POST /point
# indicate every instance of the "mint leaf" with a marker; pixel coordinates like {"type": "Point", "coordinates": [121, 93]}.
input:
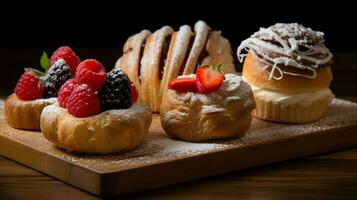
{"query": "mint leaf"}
{"type": "Point", "coordinates": [45, 61]}
{"type": "Point", "coordinates": [36, 71]}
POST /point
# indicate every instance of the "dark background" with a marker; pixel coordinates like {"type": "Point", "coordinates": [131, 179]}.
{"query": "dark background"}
{"type": "Point", "coordinates": [99, 29]}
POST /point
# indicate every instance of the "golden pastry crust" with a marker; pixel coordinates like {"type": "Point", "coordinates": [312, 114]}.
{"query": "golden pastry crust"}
{"type": "Point", "coordinates": [112, 131]}
{"type": "Point", "coordinates": [254, 73]}
{"type": "Point", "coordinates": [197, 117]}
{"type": "Point", "coordinates": [130, 61]}
{"type": "Point", "coordinates": [150, 66]}
{"type": "Point", "coordinates": [25, 114]}
{"type": "Point", "coordinates": [219, 52]}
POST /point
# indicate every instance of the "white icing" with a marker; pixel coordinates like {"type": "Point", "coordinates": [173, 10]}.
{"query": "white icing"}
{"type": "Point", "coordinates": [289, 37]}
{"type": "Point", "coordinates": [285, 99]}
{"type": "Point", "coordinates": [232, 89]}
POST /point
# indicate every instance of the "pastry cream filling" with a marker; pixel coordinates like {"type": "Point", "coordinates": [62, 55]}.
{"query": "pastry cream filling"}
{"type": "Point", "coordinates": [285, 99]}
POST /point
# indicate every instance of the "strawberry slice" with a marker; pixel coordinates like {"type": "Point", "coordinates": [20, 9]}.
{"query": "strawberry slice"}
{"type": "Point", "coordinates": [209, 79]}
{"type": "Point", "coordinates": [134, 93]}
{"type": "Point", "coordinates": [183, 85]}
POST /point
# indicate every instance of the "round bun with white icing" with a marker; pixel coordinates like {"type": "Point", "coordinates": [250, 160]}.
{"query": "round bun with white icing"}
{"type": "Point", "coordinates": [288, 67]}
{"type": "Point", "coordinates": [23, 114]}
{"type": "Point", "coordinates": [111, 131]}
{"type": "Point", "coordinates": [225, 113]}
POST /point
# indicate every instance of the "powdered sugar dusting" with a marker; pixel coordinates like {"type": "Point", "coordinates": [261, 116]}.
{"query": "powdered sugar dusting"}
{"type": "Point", "coordinates": [181, 44]}
{"type": "Point", "coordinates": [233, 88]}
{"type": "Point", "coordinates": [199, 43]}
{"type": "Point", "coordinates": [159, 148]}
{"type": "Point", "coordinates": [232, 91]}
{"type": "Point", "coordinates": [44, 101]}
{"type": "Point", "coordinates": [125, 114]}
{"type": "Point", "coordinates": [151, 55]}
{"type": "Point", "coordinates": [287, 44]}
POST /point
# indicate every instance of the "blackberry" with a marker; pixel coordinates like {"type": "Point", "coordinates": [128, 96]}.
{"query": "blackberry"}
{"type": "Point", "coordinates": [116, 92]}
{"type": "Point", "coordinates": [57, 75]}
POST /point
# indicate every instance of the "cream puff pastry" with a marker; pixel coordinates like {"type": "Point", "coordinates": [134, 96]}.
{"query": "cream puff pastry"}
{"type": "Point", "coordinates": [195, 116]}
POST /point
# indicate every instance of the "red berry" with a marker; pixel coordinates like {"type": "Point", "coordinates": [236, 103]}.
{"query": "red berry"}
{"type": "Point", "coordinates": [67, 54]}
{"type": "Point", "coordinates": [183, 84]}
{"type": "Point", "coordinates": [134, 92]}
{"type": "Point", "coordinates": [29, 86]}
{"type": "Point", "coordinates": [83, 102]}
{"type": "Point", "coordinates": [91, 72]}
{"type": "Point", "coordinates": [66, 91]}
{"type": "Point", "coordinates": [208, 79]}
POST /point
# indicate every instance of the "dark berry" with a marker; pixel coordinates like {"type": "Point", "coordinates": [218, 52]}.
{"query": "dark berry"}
{"type": "Point", "coordinates": [116, 92]}
{"type": "Point", "coordinates": [58, 74]}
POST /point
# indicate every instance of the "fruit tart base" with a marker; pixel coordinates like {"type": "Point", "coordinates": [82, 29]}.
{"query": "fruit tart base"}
{"type": "Point", "coordinates": [111, 131]}
{"type": "Point", "coordinates": [25, 114]}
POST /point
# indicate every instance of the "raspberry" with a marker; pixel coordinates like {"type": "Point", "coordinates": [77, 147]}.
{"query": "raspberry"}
{"type": "Point", "coordinates": [116, 92]}
{"type": "Point", "coordinates": [134, 93]}
{"type": "Point", "coordinates": [58, 74]}
{"type": "Point", "coordinates": [83, 102]}
{"type": "Point", "coordinates": [29, 86]}
{"type": "Point", "coordinates": [91, 72]}
{"type": "Point", "coordinates": [66, 91]}
{"type": "Point", "coordinates": [67, 54]}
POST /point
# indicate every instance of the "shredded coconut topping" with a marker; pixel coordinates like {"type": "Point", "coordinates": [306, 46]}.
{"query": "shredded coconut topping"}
{"type": "Point", "coordinates": [291, 45]}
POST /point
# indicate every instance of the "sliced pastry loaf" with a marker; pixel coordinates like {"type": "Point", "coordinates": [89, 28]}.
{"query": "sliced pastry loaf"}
{"type": "Point", "coordinates": [152, 65]}
{"type": "Point", "coordinates": [133, 50]}
{"type": "Point", "coordinates": [153, 60]}
{"type": "Point", "coordinates": [175, 59]}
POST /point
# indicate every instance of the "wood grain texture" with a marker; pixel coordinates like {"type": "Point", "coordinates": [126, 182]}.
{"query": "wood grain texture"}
{"type": "Point", "coordinates": [164, 161]}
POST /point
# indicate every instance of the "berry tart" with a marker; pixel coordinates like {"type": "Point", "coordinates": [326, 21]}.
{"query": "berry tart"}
{"type": "Point", "coordinates": [153, 60]}
{"type": "Point", "coordinates": [207, 105]}
{"type": "Point", "coordinates": [288, 68]}
{"type": "Point", "coordinates": [96, 112]}
{"type": "Point", "coordinates": [36, 89]}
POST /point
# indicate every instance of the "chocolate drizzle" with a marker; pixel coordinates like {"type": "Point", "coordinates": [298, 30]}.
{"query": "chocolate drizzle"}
{"type": "Point", "coordinates": [284, 46]}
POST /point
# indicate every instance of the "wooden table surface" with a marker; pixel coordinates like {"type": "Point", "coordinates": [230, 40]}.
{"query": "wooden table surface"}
{"type": "Point", "coordinates": [330, 176]}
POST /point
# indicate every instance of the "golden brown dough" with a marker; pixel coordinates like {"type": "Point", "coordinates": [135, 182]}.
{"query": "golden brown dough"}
{"type": "Point", "coordinates": [25, 114]}
{"type": "Point", "coordinates": [112, 131]}
{"type": "Point", "coordinates": [225, 113]}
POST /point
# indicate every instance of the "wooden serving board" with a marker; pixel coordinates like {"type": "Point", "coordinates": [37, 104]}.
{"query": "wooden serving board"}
{"type": "Point", "coordinates": [162, 160]}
